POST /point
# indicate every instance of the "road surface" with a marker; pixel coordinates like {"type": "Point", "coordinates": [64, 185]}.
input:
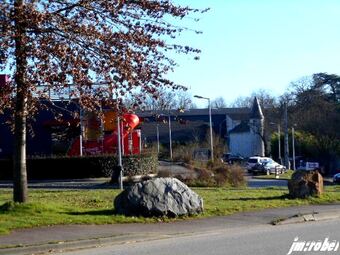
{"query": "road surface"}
{"type": "Point", "coordinates": [254, 240]}
{"type": "Point", "coordinates": [262, 183]}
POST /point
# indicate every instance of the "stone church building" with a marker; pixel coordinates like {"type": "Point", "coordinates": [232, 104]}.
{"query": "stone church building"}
{"type": "Point", "coordinates": [246, 138]}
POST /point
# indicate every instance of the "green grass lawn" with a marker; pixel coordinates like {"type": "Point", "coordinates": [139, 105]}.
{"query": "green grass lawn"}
{"type": "Point", "coordinates": [51, 207]}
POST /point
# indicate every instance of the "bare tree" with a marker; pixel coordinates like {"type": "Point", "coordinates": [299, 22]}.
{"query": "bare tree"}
{"type": "Point", "coordinates": [242, 102]}
{"type": "Point", "coordinates": [218, 102]}
{"type": "Point", "coordinates": [167, 99]}
{"type": "Point", "coordinates": [105, 49]}
{"type": "Point", "coordinates": [265, 98]}
{"type": "Point", "coordinates": [185, 101]}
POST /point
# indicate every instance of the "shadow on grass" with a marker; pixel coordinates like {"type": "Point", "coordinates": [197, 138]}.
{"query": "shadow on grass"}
{"type": "Point", "coordinates": [328, 183]}
{"type": "Point", "coordinates": [6, 207]}
{"type": "Point", "coordinates": [107, 212]}
{"type": "Point", "coordinates": [282, 197]}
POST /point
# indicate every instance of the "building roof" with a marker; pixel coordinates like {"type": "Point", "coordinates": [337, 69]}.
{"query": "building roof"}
{"type": "Point", "coordinates": [256, 112]}
{"type": "Point", "coordinates": [190, 131]}
{"type": "Point", "coordinates": [243, 127]}
{"type": "Point", "coordinates": [233, 113]}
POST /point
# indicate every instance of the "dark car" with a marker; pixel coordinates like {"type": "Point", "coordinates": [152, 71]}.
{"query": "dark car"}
{"type": "Point", "coordinates": [336, 178]}
{"type": "Point", "coordinates": [232, 159]}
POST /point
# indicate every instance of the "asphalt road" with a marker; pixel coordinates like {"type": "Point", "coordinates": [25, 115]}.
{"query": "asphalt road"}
{"type": "Point", "coordinates": [260, 183]}
{"type": "Point", "coordinates": [255, 240]}
{"type": "Point", "coordinates": [103, 184]}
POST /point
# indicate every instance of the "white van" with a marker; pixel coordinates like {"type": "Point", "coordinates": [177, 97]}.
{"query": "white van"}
{"type": "Point", "coordinates": [264, 165]}
{"type": "Point", "coordinates": [253, 161]}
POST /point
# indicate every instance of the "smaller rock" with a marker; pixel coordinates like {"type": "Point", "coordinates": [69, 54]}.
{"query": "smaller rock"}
{"type": "Point", "coordinates": [304, 184]}
{"type": "Point", "coordinates": [158, 197]}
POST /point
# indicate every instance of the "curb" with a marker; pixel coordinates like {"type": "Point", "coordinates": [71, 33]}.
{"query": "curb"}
{"type": "Point", "coordinates": [61, 246]}
{"type": "Point", "coordinates": [314, 216]}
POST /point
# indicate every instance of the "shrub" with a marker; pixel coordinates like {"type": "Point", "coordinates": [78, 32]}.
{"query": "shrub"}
{"type": "Point", "coordinates": [236, 176]}
{"type": "Point", "coordinates": [82, 167]}
{"type": "Point", "coordinates": [221, 176]}
{"type": "Point", "coordinates": [184, 153]}
{"type": "Point", "coordinates": [140, 164]}
{"type": "Point", "coordinates": [214, 164]}
{"type": "Point", "coordinates": [200, 177]}
{"type": "Point", "coordinates": [164, 174]}
{"type": "Point", "coordinates": [210, 164]}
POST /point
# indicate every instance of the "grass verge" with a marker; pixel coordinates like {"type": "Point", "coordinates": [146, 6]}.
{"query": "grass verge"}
{"type": "Point", "coordinates": [52, 207]}
{"type": "Point", "coordinates": [286, 176]}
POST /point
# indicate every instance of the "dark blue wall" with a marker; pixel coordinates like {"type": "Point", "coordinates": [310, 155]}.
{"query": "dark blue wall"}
{"type": "Point", "coordinates": [39, 140]}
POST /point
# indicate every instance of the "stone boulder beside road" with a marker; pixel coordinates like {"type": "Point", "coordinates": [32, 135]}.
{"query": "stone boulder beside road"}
{"type": "Point", "coordinates": [159, 197]}
{"type": "Point", "coordinates": [304, 184]}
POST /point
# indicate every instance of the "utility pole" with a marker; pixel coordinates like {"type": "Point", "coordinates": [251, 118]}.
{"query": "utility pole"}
{"type": "Point", "coordinates": [293, 148]}
{"type": "Point", "coordinates": [286, 144]}
{"type": "Point", "coordinates": [279, 142]}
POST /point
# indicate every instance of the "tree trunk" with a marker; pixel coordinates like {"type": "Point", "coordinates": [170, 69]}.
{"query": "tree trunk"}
{"type": "Point", "coordinates": [19, 165]}
{"type": "Point", "coordinates": [19, 171]}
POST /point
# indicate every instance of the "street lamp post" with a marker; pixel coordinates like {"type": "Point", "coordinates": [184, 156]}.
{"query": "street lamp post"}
{"type": "Point", "coordinates": [170, 138]}
{"type": "Point", "coordinates": [210, 124]}
{"type": "Point", "coordinates": [279, 142]}
{"type": "Point", "coordinates": [157, 130]}
{"type": "Point", "coordinates": [286, 147]}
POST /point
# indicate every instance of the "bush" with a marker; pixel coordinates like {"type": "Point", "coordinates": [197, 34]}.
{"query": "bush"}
{"type": "Point", "coordinates": [236, 176]}
{"type": "Point", "coordinates": [164, 174]}
{"type": "Point", "coordinates": [140, 165]}
{"type": "Point", "coordinates": [204, 178]}
{"type": "Point", "coordinates": [184, 153]}
{"type": "Point", "coordinates": [82, 167]}
{"type": "Point", "coordinates": [221, 176]}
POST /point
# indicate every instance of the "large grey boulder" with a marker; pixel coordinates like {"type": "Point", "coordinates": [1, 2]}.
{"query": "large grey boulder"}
{"type": "Point", "coordinates": [159, 197]}
{"type": "Point", "coordinates": [305, 183]}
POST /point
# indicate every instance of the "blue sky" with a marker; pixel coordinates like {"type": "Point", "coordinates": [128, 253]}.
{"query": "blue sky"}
{"type": "Point", "coordinates": [249, 45]}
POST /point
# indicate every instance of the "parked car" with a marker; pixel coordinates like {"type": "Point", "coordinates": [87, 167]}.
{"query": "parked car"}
{"type": "Point", "coordinates": [264, 165]}
{"type": "Point", "coordinates": [254, 162]}
{"type": "Point", "coordinates": [336, 178]}
{"type": "Point", "coordinates": [232, 159]}
{"type": "Point", "coordinates": [272, 167]}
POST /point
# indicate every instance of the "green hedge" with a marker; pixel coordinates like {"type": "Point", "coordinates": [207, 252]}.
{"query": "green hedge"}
{"type": "Point", "coordinates": [82, 167]}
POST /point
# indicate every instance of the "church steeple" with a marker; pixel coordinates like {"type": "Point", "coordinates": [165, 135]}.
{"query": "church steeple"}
{"type": "Point", "coordinates": [256, 122]}
{"type": "Point", "coordinates": [256, 112]}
